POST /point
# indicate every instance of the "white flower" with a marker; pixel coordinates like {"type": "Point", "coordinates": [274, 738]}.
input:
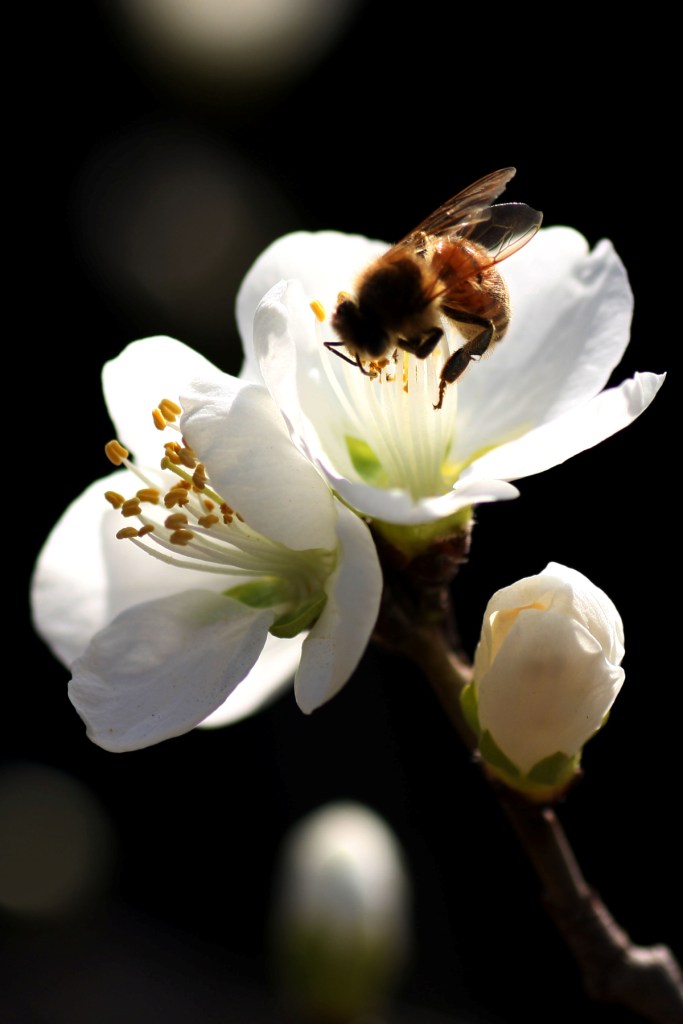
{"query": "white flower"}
{"type": "Point", "coordinates": [233, 600]}
{"type": "Point", "coordinates": [546, 672]}
{"type": "Point", "coordinates": [533, 403]}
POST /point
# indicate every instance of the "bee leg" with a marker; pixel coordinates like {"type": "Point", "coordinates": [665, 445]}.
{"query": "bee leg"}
{"type": "Point", "coordinates": [333, 347]}
{"type": "Point", "coordinates": [472, 350]}
{"type": "Point", "coordinates": [422, 346]}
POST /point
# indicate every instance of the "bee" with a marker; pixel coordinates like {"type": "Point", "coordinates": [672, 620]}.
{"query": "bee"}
{"type": "Point", "coordinates": [445, 267]}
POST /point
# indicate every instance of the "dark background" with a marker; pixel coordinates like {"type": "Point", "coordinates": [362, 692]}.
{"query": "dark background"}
{"type": "Point", "coordinates": [142, 198]}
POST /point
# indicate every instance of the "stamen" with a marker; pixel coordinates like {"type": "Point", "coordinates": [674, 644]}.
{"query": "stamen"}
{"type": "Point", "coordinates": [159, 420]}
{"type": "Point", "coordinates": [199, 477]}
{"type": "Point", "coordinates": [318, 310]}
{"type": "Point", "coordinates": [169, 410]}
{"type": "Point", "coordinates": [114, 498]}
{"type": "Point", "coordinates": [144, 530]}
{"type": "Point", "coordinates": [127, 533]}
{"type": "Point", "coordinates": [181, 537]}
{"type": "Point", "coordinates": [150, 494]}
{"type": "Point", "coordinates": [177, 495]}
{"type": "Point", "coordinates": [115, 452]}
{"type": "Point", "coordinates": [131, 507]}
{"type": "Point", "coordinates": [175, 521]}
{"type": "Point", "coordinates": [208, 521]}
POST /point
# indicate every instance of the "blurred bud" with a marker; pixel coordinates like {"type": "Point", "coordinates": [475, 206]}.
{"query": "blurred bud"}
{"type": "Point", "coordinates": [546, 673]}
{"type": "Point", "coordinates": [341, 930]}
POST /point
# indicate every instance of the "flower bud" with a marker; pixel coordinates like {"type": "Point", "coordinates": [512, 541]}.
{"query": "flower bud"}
{"type": "Point", "coordinates": [340, 932]}
{"type": "Point", "coordinates": [546, 673]}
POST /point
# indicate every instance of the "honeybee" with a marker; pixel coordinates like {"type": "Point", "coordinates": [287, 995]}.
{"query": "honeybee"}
{"type": "Point", "coordinates": [445, 267]}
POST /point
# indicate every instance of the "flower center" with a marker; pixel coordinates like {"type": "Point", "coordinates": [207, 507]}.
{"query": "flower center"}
{"type": "Point", "coordinates": [181, 520]}
{"type": "Point", "coordinates": [393, 434]}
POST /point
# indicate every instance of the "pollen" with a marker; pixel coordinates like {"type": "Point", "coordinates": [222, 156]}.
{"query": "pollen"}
{"type": "Point", "coordinates": [199, 477]}
{"type": "Point", "coordinates": [318, 310]}
{"type": "Point", "coordinates": [176, 496]}
{"type": "Point", "coordinates": [115, 452]}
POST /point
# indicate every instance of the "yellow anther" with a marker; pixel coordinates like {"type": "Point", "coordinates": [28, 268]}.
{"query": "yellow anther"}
{"type": "Point", "coordinates": [127, 532]}
{"type": "Point", "coordinates": [159, 421]}
{"type": "Point", "coordinates": [131, 507]}
{"type": "Point", "coordinates": [226, 510]}
{"type": "Point", "coordinates": [318, 310]}
{"type": "Point", "coordinates": [114, 498]}
{"type": "Point", "coordinates": [175, 521]}
{"type": "Point", "coordinates": [187, 457]}
{"type": "Point", "coordinates": [150, 494]}
{"type": "Point", "coordinates": [144, 530]}
{"type": "Point", "coordinates": [181, 537]}
{"type": "Point", "coordinates": [199, 477]}
{"type": "Point", "coordinates": [171, 458]}
{"type": "Point", "coordinates": [176, 496]}
{"type": "Point", "coordinates": [208, 504]}
{"type": "Point", "coordinates": [343, 297]}
{"type": "Point", "coordinates": [208, 520]}
{"type": "Point", "coordinates": [115, 452]}
{"type": "Point", "coordinates": [169, 409]}
{"type": "Point", "coordinates": [241, 518]}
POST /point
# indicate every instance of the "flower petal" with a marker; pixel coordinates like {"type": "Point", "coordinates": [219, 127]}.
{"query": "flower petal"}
{"type": "Point", "coordinates": [570, 321]}
{"type": "Point", "coordinates": [139, 378]}
{"type": "Point", "coordinates": [336, 643]}
{"type": "Point", "coordinates": [582, 428]}
{"type": "Point", "coordinates": [256, 468]}
{"type": "Point", "coordinates": [272, 674]}
{"type": "Point", "coordinates": [161, 667]}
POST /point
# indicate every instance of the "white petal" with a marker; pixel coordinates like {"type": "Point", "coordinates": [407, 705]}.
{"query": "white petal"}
{"type": "Point", "coordinates": [338, 640]}
{"type": "Point", "coordinates": [160, 668]}
{"type": "Point", "coordinates": [255, 467]}
{"type": "Point", "coordinates": [272, 674]}
{"type": "Point", "coordinates": [582, 428]}
{"type": "Point", "coordinates": [84, 576]}
{"type": "Point", "coordinates": [570, 321]}
{"type": "Point", "coordinates": [325, 263]}
{"type": "Point", "coordinates": [136, 381]}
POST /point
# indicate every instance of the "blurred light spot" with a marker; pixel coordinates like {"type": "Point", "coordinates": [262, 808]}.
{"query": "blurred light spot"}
{"type": "Point", "coordinates": [55, 842]}
{"type": "Point", "coordinates": [235, 42]}
{"type": "Point", "coordinates": [341, 929]}
{"type": "Point", "coordinates": [168, 222]}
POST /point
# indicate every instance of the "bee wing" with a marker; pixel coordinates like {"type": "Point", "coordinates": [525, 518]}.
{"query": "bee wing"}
{"type": "Point", "coordinates": [461, 214]}
{"type": "Point", "coordinates": [506, 229]}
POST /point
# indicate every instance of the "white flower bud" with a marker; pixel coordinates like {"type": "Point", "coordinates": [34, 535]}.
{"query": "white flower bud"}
{"type": "Point", "coordinates": [341, 917]}
{"type": "Point", "coordinates": [546, 673]}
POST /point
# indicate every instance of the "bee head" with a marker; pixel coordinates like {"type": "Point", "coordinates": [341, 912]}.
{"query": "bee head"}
{"type": "Point", "coordinates": [362, 334]}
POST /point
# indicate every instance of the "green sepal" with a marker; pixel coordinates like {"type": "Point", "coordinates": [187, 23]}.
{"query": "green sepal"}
{"type": "Point", "coordinates": [261, 593]}
{"type": "Point", "coordinates": [495, 757]}
{"type": "Point", "coordinates": [555, 770]}
{"type": "Point", "coordinates": [468, 703]}
{"type": "Point", "coordinates": [303, 617]}
{"type": "Point", "coordinates": [365, 462]}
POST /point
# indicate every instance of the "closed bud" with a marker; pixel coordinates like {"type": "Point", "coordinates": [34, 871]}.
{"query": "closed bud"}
{"type": "Point", "coordinates": [546, 673]}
